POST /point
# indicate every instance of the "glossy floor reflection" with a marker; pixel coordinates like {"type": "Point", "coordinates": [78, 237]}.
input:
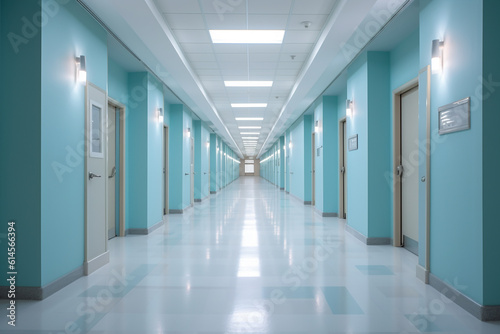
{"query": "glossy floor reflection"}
{"type": "Point", "coordinates": [250, 259]}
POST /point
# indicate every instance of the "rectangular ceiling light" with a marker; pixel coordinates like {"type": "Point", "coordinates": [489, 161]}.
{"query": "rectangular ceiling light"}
{"type": "Point", "coordinates": [249, 133]}
{"type": "Point", "coordinates": [249, 137]}
{"type": "Point", "coordinates": [249, 105]}
{"type": "Point", "coordinates": [248, 83]}
{"type": "Point", "coordinates": [249, 127]}
{"type": "Point", "coordinates": [247, 36]}
{"type": "Point", "coordinates": [249, 118]}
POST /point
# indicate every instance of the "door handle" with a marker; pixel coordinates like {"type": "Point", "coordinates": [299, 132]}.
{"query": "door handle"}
{"type": "Point", "coordinates": [205, 173]}
{"type": "Point", "coordinates": [342, 170]}
{"type": "Point", "coordinates": [92, 175]}
{"type": "Point", "coordinates": [291, 172]}
{"type": "Point", "coordinates": [400, 170]}
{"type": "Point", "coordinates": [113, 173]}
{"type": "Point", "coordinates": [186, 173]}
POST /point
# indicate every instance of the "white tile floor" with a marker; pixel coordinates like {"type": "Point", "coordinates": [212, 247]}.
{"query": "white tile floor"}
{"type": "Point", "coordinates": [250, 259]}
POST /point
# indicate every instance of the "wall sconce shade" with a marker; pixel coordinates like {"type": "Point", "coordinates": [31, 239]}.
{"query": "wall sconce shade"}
{"type": "Point", "coordinates": [159, 112]}
{"type": "Point", "coordinates": [348, 107]}
{"type": "Point", "coordinates": [188, 132]}
{"type": "Point", "coordinates": [82, 69]}
{"type": "Point", "coordinates": [437, 56]}
{"type": "Point", "coordinates": [290, 145]}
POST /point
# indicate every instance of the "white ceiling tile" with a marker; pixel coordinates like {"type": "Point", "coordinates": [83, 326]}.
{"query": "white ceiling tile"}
{"type": "Point", "coordinates": [230, 48]}
{"type": "Point", "coordinates": [192, 36]}
{"type": "Point", "coordinates": [229, 22]}
{"type": "Point", "coordinates": [185, 21]}
{"type": "Point", "coordinates": [176, 6]}
{"type": "Point", "coordinates": [289, 65]}
{"type": "Point", "coordinates": [301, 36]}
{"type": "Point", "coordinates": [223, 7]}
{"type": "Point", "coordinates": [313, 6]}
{"type": "Point", "coordinates": [267, 57]}
{"type": "Point", "coordinates": [269, 7]}
{"type": "Point", "coordinates": [271, 22]}
{"type": "Point", "coordinates": [264, 48]}
{"type": "Point", "coordinates": [263, 65]}
{"type": "Point", "coordinates": [211, 73]}
{"type": "Point", "coordinates": [287, 72]}
{"type": "Point", "coordinates": [232, 57]}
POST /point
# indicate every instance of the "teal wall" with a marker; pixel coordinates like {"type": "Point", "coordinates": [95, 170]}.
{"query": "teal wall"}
{"type": "Point", "coordinates": [213, 163]}
{"type": "Point", "coordinates": [20, 131]}
{"type": "Point", "coordinates": [281, 144]}
{"type": "Point", "coordinates": [137, 150]}
{"type": "Point", "coordinates": [202, 156]}
{"type": "Point", "coordinates": [456, 192]}
{"type": "Point", "coordinates": [154, 150]}
{"type": "Point", "coordinates": [326, 164]}
{"type": "Point", "coordinates": [491, 160]}
{"type": "Point", "coordinates": [70, 33]}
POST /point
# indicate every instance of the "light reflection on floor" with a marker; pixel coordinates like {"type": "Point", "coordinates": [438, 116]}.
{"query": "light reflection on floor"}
{"type": "Point", "coordinates": [250, 259]}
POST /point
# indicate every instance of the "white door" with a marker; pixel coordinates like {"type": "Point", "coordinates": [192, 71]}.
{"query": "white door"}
{"type": "Point", "coordinates": [111, 179]}
{"type": "Point", "coordinates": [409, 171]}
{"type": "Point", "coordinates": [165, 170]}
{"type": "Point", "coordinates": [344, 170]}
{"type": "Point", "coordinates": [313, 170]}
{"type": "Point", "coordinates": [96, 254]}
{"type": "Point", "coordinates": [192, 171]}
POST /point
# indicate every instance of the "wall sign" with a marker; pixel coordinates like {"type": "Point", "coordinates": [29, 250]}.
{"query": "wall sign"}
{"type": "Point", "coordinates": [454, 116]}
{"type": "Point", "coordinates": [352, 143]}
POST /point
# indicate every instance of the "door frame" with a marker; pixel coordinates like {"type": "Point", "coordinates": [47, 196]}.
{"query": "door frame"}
{"type": "Point", "coordinates": [165, 164]}
{"type": "Point", "coordinates": [313, 169]}
{"type": "Point", "coordinates": [120, 108]}
{"type": "Point", "coordinates": [343, 120]}
{"type": "Point", "coordinates": [396, 161]}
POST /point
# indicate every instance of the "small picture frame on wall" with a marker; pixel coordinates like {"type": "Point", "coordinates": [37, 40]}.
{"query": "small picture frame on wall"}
{"type": "Point", "coordinates": [352, 143]}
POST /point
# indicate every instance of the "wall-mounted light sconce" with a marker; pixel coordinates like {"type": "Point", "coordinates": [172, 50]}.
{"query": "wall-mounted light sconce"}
{"type": "Point", "coordinates": [188, 132]}
{"type": "Point", "coordinates": [82, 69]}
{"type": "Point", "coordinates": [159, 113]}
{"type": "Point", "coordinates": [284, 147]}
{"type": "Point", "coordinates": [208, 143]}
{"type": "Point", "coordinates": [317, 126]}
{"type": "Point", "coordinates": [290, 144]}
{"type": "Point", "coordinates": [348, 107]}
{"type": "Point", "coordinates": [437, 56]}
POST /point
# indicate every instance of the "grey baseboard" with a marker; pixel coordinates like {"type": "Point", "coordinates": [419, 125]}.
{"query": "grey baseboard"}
{"type": "Point", "coordinates": [287, 192]}
{"type": "Point", "coordinates": [39, 293]}
{"type": "Point", "coordinates": [145, 231]}
{"type": "Point", "coordinates": [198, 200]}
{"type": "Point", "coordinates": [98, 262]}
{"type": "Point", "coordinates": [281, 188]}
{"type": "Point", "coordinates": [175, 211]}
{"type": "Point", "coordinates": [213, 192]}
{"type": "Point", "coordinates": [410, 244]}
{"type": "Point", "coordinates": [368, 240]}
{"type": "Point", "coordinates": [307, 202]}
{"type": "Point", "coordinates": [325, 214]}
{"type": "Point", "coordinates": [482, 312]}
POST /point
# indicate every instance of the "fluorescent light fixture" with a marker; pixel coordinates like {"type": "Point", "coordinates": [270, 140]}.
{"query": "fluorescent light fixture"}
{"type": "Point", "coordinates": [437, 56]}
{"type": "Point", "coordinates": [249, 133]}
{"type": "Point", "coordinates": [247, 36]}
{"type": "Point", "coordinates": [248, 83]}
{"type": "Point", "coordinates": [249, 105]}
{"type": "Point", "coordinates": [249, 127]}
{"type": "Point", "coordinates": [82, 69]}
{"type": "Point", "coordinates": [249, 118]}
{"type": "Point", "coordinates": [249, 137]}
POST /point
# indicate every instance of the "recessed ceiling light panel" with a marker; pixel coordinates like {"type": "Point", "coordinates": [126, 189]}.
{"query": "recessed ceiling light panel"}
{"type": "Point", "coordinates": [248, 83]}
{"type": "Point", "coordinates": [249, 105]}
{"type": "Point", "coordinates": [249, 118]}
{"type": "Point", "coordinates": [247, 36]}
